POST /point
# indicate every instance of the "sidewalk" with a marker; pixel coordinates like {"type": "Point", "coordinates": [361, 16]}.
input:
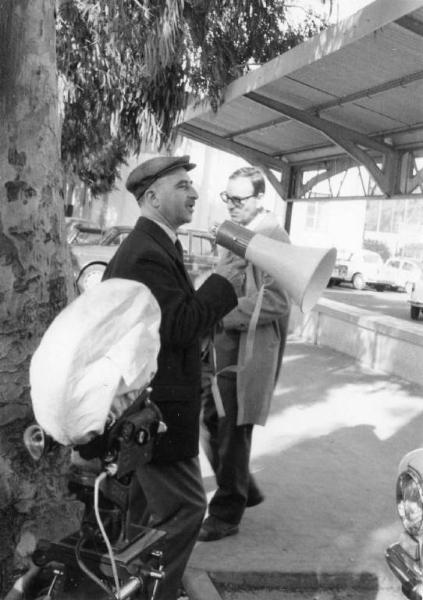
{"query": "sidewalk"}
{"type": "Point", "coordinates": [327, 462]}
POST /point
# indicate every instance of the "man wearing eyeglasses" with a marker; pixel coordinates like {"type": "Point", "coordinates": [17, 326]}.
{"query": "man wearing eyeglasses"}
{"type": "Point", "coordinates": [256, 329]}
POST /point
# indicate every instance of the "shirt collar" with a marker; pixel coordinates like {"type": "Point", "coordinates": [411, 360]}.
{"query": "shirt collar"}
{"type": "Point", "coordinates": [255, 223]}
{"type": "Point", "coordinates": [166, 229]}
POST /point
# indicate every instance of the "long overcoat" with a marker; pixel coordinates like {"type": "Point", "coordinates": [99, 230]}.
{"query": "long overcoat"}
{"type": "Point", "coordinates": [149, 256]}
{"type": "Point", "coordinates": [258, 366]}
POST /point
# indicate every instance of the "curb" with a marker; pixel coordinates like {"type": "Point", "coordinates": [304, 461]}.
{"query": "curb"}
{"type": "Point", "coordinates": [298, 581]}
{"type": "Point", "coordinates": [199, 583]}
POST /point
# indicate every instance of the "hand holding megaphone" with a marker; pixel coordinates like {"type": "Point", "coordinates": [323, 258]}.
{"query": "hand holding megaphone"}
{"type": "Point", "coordinates": [232, 267]}
{"type": "Point", "coordinates": [213, 229]}
{"type": "Point", "coordinates": [301, 272]}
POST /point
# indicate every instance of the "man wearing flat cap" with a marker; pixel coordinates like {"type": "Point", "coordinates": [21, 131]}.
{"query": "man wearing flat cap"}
{"type": "Point", "coordinates": [152, 255]}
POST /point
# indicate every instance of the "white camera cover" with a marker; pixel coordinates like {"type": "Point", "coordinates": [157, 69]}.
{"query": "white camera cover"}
{"type": "Point", "coordinates": [96, 355]}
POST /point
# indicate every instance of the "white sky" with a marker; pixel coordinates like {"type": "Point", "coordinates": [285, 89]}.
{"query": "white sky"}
{"type": "Point", "coordinates": [344, 8]}
{"type": "Point", "coordinates": [341, 8]}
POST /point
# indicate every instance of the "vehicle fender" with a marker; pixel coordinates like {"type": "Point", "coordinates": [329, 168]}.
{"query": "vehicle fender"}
{"type": "Point", "coordinates": [93, 262]}
{"type": "Point", "coordinates": [87, 266]}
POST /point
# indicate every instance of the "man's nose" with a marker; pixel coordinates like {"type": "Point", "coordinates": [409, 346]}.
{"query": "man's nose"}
{"type": "Point", "coordinates": [193, 193]}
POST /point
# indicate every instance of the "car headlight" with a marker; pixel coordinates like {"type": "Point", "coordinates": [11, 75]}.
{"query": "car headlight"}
{"type": "Point", "coordinates": [409, 492]}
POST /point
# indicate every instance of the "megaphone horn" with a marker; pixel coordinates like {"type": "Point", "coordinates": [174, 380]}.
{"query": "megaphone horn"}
{"type": "Point", "coordinates": [300, 271]}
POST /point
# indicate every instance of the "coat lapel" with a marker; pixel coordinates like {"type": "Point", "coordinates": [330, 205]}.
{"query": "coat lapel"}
{"type": "Point", "coordinates": [149, 227]}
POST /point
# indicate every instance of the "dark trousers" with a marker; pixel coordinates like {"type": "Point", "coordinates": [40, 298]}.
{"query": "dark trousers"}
{"type": "Point", "coordinates": [227, 447]}
{"type": "Point", "coordinates": [176, 504]}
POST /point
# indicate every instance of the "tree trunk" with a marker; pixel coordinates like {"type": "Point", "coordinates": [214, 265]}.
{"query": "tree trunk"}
{"type": "Point", "coordinates": [35, 280]}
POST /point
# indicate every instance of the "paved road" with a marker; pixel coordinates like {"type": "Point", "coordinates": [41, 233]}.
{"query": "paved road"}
{"type": "Point", "coordinates": [393, 304]}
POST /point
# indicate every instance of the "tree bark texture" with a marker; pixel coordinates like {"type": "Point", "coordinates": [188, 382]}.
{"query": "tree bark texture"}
{"type": "Point", "coordinates": [34, 269]}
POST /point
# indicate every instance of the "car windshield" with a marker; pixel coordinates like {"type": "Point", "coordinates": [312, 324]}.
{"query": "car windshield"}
{"type": "Point", "coordinates": [83, 236]}
{"type": "Point", "coordinates": [344, 254]}
{"type": "Point", "coordinates": [114, 236]}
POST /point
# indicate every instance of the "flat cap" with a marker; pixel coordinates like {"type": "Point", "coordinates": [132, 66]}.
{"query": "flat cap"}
{"type": "Point", "coordinates": [148, 172]}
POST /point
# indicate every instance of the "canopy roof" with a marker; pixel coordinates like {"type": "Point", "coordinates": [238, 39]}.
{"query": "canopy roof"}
{"type": "Point", "coordinates": [354, 91]}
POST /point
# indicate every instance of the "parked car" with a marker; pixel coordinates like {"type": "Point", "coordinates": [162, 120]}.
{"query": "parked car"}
{"type": "Point", "coordinates": [90, 255]}
{"type": "Point", "coordinates": [90, 260]}
{"type": "Point", "coordinates": [78, 230]}
{"type": "Point", "coordinates": [358, 267]}
{"type": "Point", "coordinates": [416, 299]}
{"type": "Point", "coordinates": [402, 273]}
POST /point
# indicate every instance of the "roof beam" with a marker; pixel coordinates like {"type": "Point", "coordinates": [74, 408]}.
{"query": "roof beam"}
{"type": "Point", "coordinates": [364, 93]}
{"type": "Point", "coordinates": [277, 185]}
{"type": "Point", "coordinates": [333, 168]}
{"type": "Point", "coordinates": [254, 128]}
{"type": "Point", "coordinates": [211, 139]}
{"type": "Point", "coordinates": [351, 141]}
{"type": "Point", "coordinates": [371, 91]}
{"type": "Point", "coordinates": [330, 129]}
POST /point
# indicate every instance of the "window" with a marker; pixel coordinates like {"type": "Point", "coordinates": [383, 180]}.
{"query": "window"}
{"type": "Point", "coordinates": [313, 215]}
{"type": "Point", "coordinates": [408, 266]}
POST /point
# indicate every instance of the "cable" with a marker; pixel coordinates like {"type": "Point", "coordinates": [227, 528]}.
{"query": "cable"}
{"type": "Point", "coordinates": [97, 483]}
{"type": "Point", "coordinates": [90, 574]}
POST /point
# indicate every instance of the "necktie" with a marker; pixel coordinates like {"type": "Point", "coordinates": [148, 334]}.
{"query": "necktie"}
{"type": "Point", "coordinates": [179, 249]}
{"type": "Point", "coordinates": [180, 252]}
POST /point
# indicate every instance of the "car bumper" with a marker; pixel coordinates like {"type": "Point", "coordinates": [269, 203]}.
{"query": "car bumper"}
{"type": "Point", "coordinates": [415, 303]}
{"type": "Point", "coordinates": [404, 563]}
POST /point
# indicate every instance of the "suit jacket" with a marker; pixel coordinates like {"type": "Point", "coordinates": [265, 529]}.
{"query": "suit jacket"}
{"type": "Point", "coordinates": [149, 256]}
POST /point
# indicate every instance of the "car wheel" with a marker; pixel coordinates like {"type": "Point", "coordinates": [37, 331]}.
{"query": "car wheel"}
{"type": "Point", "coordinates": [414, 312]}
{"type": "Point", "coordinates": [358, 281]}
{"type": "Point", "coordinates": [89, 276]}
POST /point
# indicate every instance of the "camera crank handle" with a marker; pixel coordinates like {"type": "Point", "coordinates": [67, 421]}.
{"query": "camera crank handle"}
{"type": "Point", "coordinates": [148, 392]}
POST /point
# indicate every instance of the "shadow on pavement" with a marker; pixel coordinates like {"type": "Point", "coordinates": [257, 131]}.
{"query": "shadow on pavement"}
{"type": "Point", "coordinates": [327, 462]}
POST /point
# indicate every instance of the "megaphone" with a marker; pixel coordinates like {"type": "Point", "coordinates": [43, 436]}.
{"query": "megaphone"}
{"type": "Point", "coordinates": [301, 272]}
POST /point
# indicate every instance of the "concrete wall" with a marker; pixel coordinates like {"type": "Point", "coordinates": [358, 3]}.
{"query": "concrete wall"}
{"type": "Point", "coordinates": [380, 342]}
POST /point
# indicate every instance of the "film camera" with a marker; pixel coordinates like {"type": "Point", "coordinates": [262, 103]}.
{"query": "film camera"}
{"type": "Point", "coordinates": [110, 556]}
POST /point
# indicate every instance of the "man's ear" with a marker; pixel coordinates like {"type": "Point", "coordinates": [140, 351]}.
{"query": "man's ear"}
{"type": "Point", "coordinates": [151, 198]}
{"type": "Point", "coordinates": [260, 199]}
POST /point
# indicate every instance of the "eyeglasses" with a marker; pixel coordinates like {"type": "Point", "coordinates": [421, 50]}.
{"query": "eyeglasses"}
{"type": "Point", "coordinates": [237, 202]}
